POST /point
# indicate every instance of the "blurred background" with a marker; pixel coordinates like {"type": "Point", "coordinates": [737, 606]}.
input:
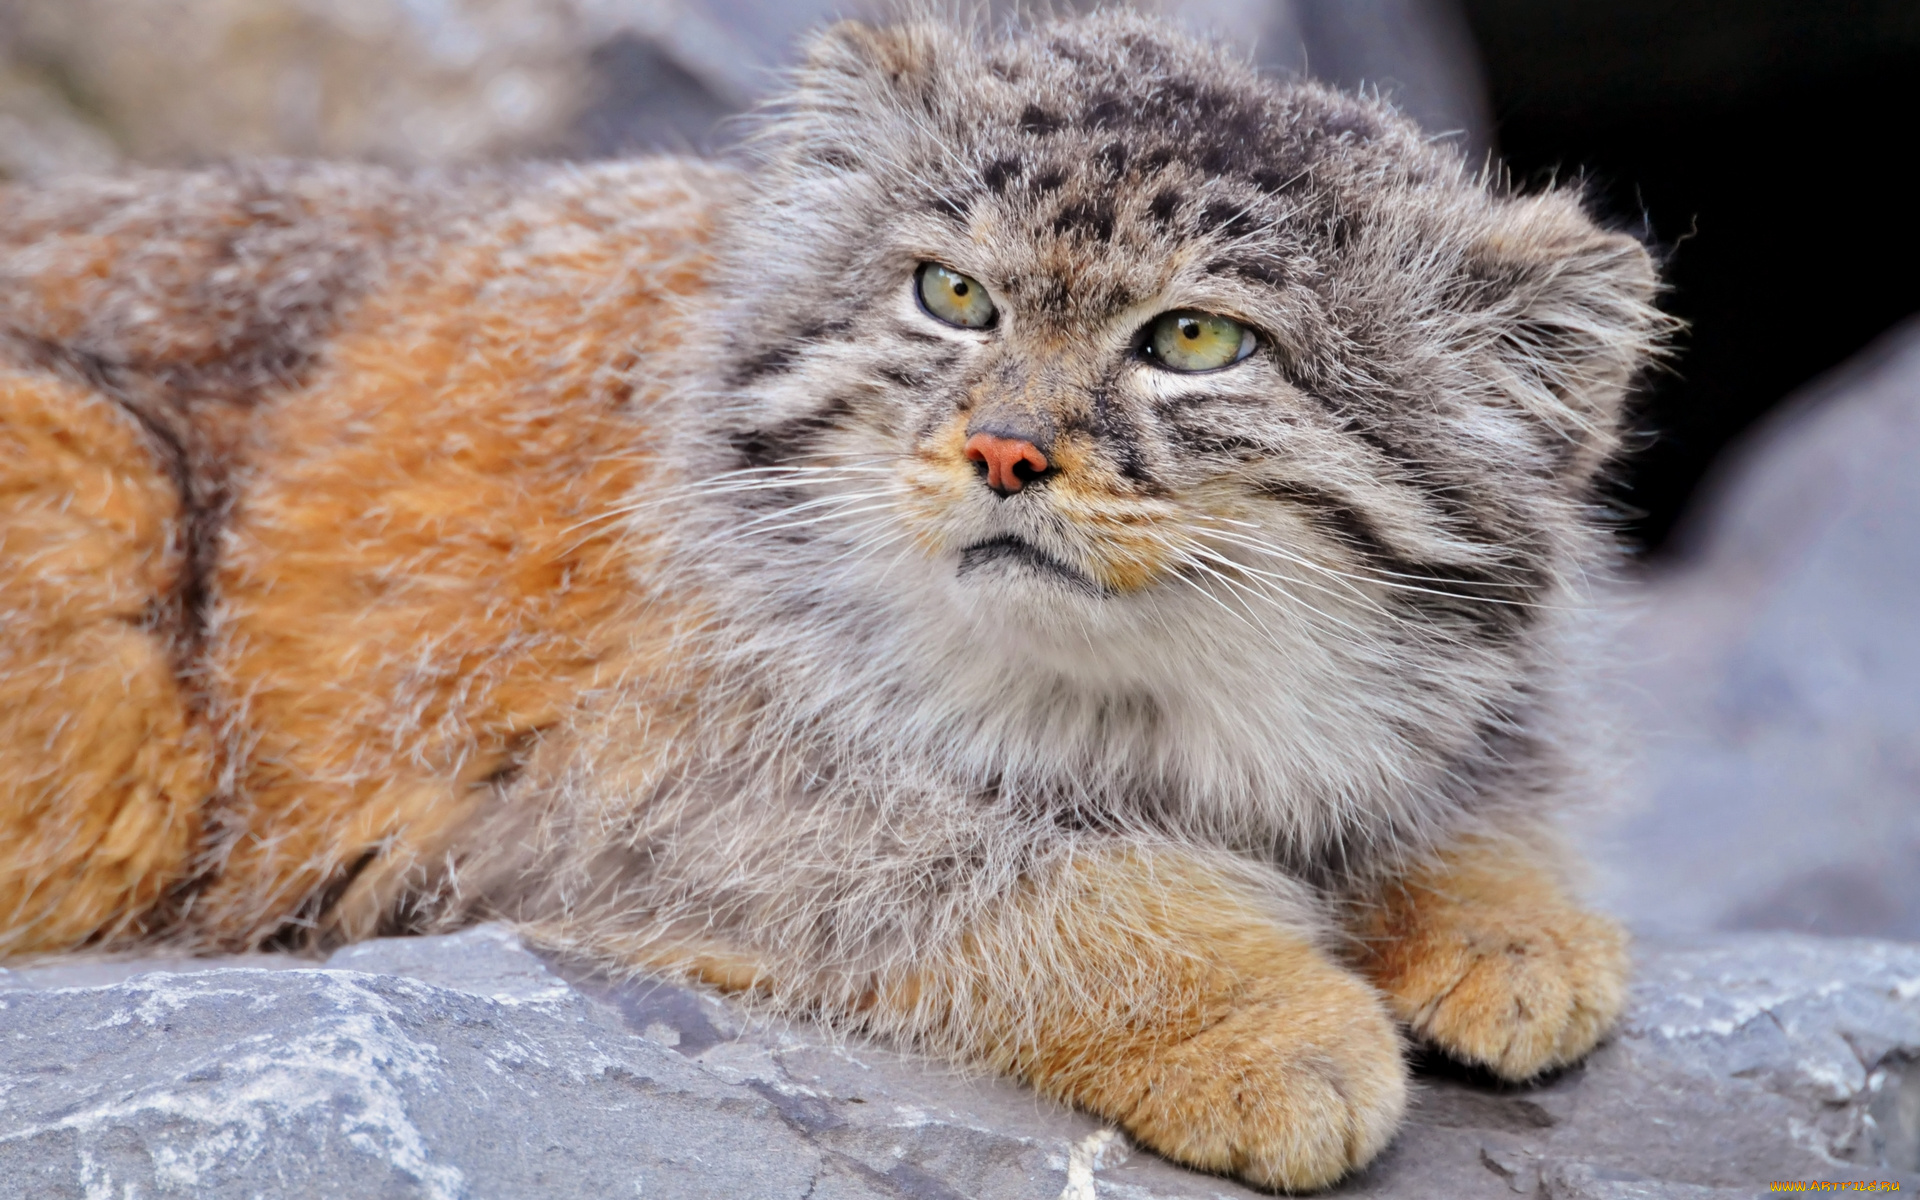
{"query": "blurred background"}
{"type": "Point", "coordinates": [1771, 647]}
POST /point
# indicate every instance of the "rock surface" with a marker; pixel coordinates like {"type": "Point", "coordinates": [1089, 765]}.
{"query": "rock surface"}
{"type": "Point", "coordinates": [466, 1066]}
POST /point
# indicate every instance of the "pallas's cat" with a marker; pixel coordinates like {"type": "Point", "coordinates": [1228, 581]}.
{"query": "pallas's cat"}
{"type": "Point", "coordinates": [1069, 558]}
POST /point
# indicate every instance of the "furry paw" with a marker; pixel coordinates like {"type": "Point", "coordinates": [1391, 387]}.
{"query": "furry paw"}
{"type": "Point", "coordinates": [1291, 1090]}
{"type": "Point", "coordinates": [1516, 988]}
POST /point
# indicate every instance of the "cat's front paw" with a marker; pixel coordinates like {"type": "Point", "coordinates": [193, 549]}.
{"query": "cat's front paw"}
{"type": "Point", "coordinates": [1518, 989]}
{"type": "Point", "coordinates": [1294, 1090]}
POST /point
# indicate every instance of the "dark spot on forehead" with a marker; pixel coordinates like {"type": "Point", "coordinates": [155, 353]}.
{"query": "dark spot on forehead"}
{"type": "Point", "coordinates": [1038, 121]}
{"type": "Point", "coordinates": [1235, 142]}
{"type": "Point", "coordinates": [998, 172]}
{"type": "Point", "coordinates": [1049, 180]}
{"type": "Point", "coordinates": [1219, 158]}
{"type": "Point", "coordinates": [1196, 98]}
{"type": "Point", "coordinates": [1155, 160]}
{"type": "Point", "coordinates": [1228, 217]}
{"type": "Point", "coordinates": [1112, 158]}
{"type": "Point", "coordinates": [1270, 181]}
{"type": "Point", "coordinates": [1090, 219]}
{"type": "Point", "coordinates": [1104, 111]}
{"type": "Point", "coordinates": [1245, 123]}
{"type": "Point", "coordinates": [1165, 203]}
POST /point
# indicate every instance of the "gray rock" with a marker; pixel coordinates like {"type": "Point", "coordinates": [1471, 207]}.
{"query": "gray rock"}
{"type": "Point", "coordinates": [1776, 677]}
{"type": "Point", "coordinates": [466, 1066]}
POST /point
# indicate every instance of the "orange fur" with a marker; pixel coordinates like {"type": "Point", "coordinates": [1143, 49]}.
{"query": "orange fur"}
{"type": "Point", "coordinates": [420, 580]}
{"type": "Point", "coordinates": [104, 771]}
{"type": "Point", "coordinates": [416, 576]}
{"type": "Point", "coordinates": [1483, 955]}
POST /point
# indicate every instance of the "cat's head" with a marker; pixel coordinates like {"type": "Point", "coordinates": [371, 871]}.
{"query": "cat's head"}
{"type": "Point", "coordinates": [1091, 332]}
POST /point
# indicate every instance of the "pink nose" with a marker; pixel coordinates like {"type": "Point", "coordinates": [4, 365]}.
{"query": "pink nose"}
{"type": "Point", "coordinates": [1010, 462]}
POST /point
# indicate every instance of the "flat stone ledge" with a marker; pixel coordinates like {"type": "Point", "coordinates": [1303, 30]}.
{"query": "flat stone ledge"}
{"type": "Point", "coordinates": [467, 1066]}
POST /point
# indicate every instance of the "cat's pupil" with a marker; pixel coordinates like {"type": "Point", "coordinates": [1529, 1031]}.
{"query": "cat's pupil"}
{"type": "Point", "coordinates": [1190, 329]}
{"type": "Point", "coordinates": [960, 287]}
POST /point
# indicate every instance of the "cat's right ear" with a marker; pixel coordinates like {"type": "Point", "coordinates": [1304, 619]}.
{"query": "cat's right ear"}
{"type": "Point", "coordinates": [850, 61]}
{"type": "Point", "coordinates": [1570, 310]}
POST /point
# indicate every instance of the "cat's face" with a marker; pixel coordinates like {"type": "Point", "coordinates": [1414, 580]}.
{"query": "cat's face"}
{"type": "Point", "coordinates": [1096, 327]}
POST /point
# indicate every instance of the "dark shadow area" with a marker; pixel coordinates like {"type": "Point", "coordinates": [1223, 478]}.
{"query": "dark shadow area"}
{"type": "Point", "coordinates": [1762, 143]}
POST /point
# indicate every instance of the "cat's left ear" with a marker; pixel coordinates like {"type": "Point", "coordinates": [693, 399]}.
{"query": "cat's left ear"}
{"type": "Point", "coordinates": [1571, 317]}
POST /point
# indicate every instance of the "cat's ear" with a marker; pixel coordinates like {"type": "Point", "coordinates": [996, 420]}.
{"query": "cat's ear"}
{"type": "Point", "coordinates": [1572, 318]}
{"type": "Point", "coordinates": [850, 59]}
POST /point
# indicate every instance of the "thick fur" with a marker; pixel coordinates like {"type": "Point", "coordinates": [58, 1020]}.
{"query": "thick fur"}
{"type": "Point", "coordinates": [596, 548]}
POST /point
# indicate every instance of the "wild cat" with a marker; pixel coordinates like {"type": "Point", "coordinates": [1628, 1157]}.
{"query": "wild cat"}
{"type": "Point", "coordinates": [1069, 558]}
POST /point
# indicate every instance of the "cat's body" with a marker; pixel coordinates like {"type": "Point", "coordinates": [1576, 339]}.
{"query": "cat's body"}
{"type": "Point", "coordinates": [611, 550]}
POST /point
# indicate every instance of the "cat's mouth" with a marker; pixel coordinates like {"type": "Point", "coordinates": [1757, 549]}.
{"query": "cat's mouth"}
{"type": "Point", "coordinates": [1008, 552]}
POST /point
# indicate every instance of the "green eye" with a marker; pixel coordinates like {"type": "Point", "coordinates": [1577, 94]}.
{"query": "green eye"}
{"type": "Point", "coordinates": [1195, 341]}
{"type": "Point", "coordinates": [955, 298]}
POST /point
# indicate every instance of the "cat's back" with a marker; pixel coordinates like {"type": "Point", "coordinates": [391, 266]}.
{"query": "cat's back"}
{"type": "Point", "coordinates": [231, 282]}
{"type": "Point", "coordinates": [302, 479]}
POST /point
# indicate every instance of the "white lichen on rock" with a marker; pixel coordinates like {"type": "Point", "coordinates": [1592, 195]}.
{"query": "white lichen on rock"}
{"type": "Point", "coordinates": [468, 1066]}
